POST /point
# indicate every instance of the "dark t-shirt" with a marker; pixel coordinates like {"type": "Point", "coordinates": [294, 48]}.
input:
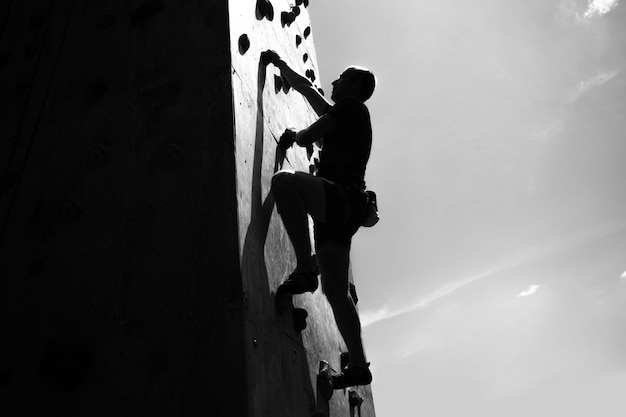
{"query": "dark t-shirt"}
{"type": "Point", "coordinates": [346, 150]}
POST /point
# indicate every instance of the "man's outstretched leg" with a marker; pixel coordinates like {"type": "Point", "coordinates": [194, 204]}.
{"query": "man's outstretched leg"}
{"type": "Point", "coordinates": [298, 194]}
{"type": "Point", "coordinates": [334, 262]}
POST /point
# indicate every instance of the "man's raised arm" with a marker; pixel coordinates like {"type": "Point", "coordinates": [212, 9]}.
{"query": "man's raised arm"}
{"type": "Point", "coordinates": [298, 82]}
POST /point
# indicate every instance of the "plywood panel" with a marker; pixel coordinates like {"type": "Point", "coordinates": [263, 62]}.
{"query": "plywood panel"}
{"type": "Point", "coordinates": [282, 363]}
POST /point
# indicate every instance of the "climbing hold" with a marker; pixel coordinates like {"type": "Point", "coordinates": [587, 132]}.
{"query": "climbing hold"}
{"type": "Point", "coordinates": [69, 212]}
{"type": "Point", "coordinates": [307, 32]}
{"type": "Point", "coordinates": [296, 10]}
{"type": "Point", "coordinates": [310, 74]}
{"type": "Point", "coordinates": [106, 21]}
{"type": "Point", "coordinates": [278, 84]}
{"type": "Point", "coordinates": [171, 157]}
{"type": "Point", "coordinates": [321, 91]}
{"type": "Point", "coordinates": [324, 381]}
{"type": "Point", "coordinates": [244, 44]}
{"type": "Point", "coordinates": [98, 156]}
{"type": "Point", "coordinates": [145, 11]}
{"type": "Point", "coordinates": [255, 342]}
{"type": "Point", "coordinates": [287, 18]}
{"type": "Point", "coordinates": [298, 2]}
{"type": "Point", "coordinates": [305, 57]}
{"type": "Point", "coordinates": [355, 401]}
{"type": "Point", "coordinates": [299, 319]}
{"type": "Point", "coordinates": [298, 40]}
{"type": "Point", "coordinates": [306, 3]}
{"type": "Point", "coordinates": [264, 9]}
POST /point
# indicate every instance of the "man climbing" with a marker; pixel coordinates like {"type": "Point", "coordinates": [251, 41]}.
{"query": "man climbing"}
{"type": "Point", "coordinates": [335, 199]}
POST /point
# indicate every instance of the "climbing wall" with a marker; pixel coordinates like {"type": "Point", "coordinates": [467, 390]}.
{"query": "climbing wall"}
{"type": "Point", "coordinates": [119, 269]}
{"type": "Point", "coordinates": [139, 247]}
{"type": "Point", "coordinates": [282, 358]}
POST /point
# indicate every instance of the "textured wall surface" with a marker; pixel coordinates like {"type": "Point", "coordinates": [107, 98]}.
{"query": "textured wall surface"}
{"type": "Point", "coordinates": [282, 362]}
{"type": "Point", "coordinates": [120, 284]}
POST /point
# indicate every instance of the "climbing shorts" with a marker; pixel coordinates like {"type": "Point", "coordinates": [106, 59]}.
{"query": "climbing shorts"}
{"type": "Point", "coordinates": [346, 208]}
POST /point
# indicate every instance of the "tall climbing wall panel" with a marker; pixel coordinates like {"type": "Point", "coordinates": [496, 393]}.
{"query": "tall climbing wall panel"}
{"type": "Point", "coordinates": [139, 247]}
{"type": "Point", "coordinates": [120, 278]}
{"type": "Point", "coordinates": [282, 359]}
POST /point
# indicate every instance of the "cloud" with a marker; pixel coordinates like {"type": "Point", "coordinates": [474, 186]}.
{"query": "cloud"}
{"type": "Point", "coordinates": [623, 275]}
{"type": "Point", "coordinates": [530, 291]}
{"type": "Point", "coordinates": [575, 10]}
{"type": "Point", "coordinates": [531, 254]}
{"type": "Point", "coordinates": [595, 81]}
{"type": "Point", "coordinates": [599, 7]}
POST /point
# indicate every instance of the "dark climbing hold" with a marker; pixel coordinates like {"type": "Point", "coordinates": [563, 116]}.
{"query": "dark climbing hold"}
{"type": "Point", "coordinates": [244, 44]}
{"type": "Point", "coordinates": [106, 21]}
{"type": "Point", "coordinates": [145, 11]}
{"type": "Point", "coordinates": [298, 2]}
{"type": "Point", "coordinates": [299, 319]}
{"type": "Point", "coordinates": [310, 74]}
{"type": "Point", "coordinates": [355, 401]}
{"type": "Point", "coordinates": [69, 212]}
{"type": "Point", "coordinates": [278, 84]}
{"type": "Point", "coordinates": [264, 9]}
{"type": "Point", "coordinates": [296, 10]}
{"type": "Point", "coordinates": [306, 3]}
{"type": "Point", "coordinates": [298, 40]}
{"type": "Point", "coordinates": [98, 156]}
{"type": "Point", "coordinates": [307, 32]}
{"type": "Point", "coordinates": [305, 58]}
{"type": "Point", "coordinates": [172, 157]}
{"type": "Point", "coordinates": [287, 18]}
{"type": "Point", "coordinates": [321, 91]}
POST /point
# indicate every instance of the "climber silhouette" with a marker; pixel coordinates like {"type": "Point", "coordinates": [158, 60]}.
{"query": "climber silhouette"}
{"type": "Point", "coordinates": [335, 199]}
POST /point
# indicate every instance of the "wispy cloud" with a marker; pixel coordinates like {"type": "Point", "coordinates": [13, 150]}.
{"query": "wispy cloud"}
{"type": "Point", "coordinates": [573, 10]}
{"type": "Point", "coordinates": [599, 7]}
{"type": "Point", "coordinates": [595, 81]}
{"type": "Point", "coordinates": [531, 254]}
{"type": "Point", "coordinates": [530, 291]}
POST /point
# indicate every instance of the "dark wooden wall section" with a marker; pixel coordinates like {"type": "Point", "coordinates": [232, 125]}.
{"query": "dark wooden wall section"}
{"type": "Point", "coordinates": [120, 279]}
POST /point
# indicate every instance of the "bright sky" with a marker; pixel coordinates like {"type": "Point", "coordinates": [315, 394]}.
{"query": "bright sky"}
{"type": "Point", "coordinates": [495, 283]}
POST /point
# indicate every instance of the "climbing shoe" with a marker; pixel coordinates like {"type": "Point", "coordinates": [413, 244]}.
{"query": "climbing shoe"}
{"type": "Point", "coordinates": [351, 376]}
{"type": "Point", "coordinates": [298, 282]}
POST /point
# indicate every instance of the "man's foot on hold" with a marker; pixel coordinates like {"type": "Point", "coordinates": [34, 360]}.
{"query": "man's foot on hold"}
{"type": "Point", "coordinates": [299, 282]}
{"type": "Point", "coordinates": [351, 376]}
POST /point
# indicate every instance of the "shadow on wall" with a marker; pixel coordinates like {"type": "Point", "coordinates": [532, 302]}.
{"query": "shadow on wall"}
{"type": "Point", "coordinates": [276, 363]}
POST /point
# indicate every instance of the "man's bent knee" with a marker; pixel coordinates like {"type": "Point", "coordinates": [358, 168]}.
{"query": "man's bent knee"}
{"type": "Point", "coordinates": [282, 180]}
